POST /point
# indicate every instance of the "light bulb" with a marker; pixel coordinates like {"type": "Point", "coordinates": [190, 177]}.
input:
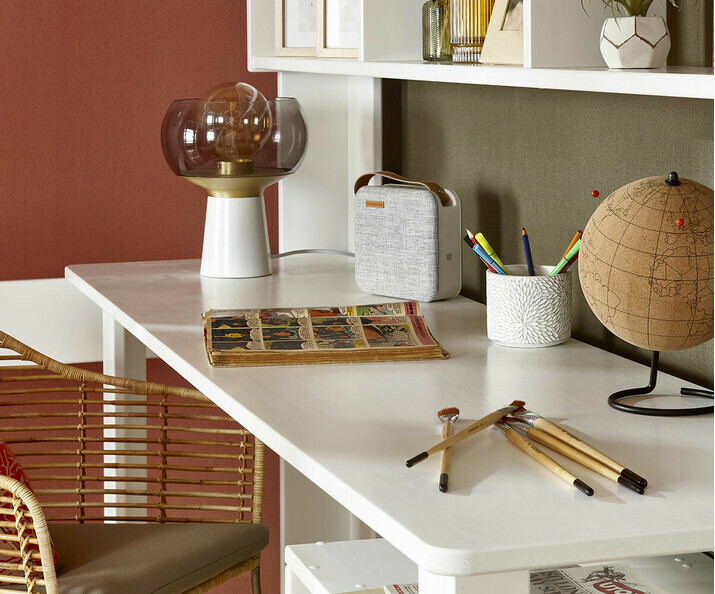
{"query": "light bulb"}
{"type": "Point", "coordinates": [237, 121]}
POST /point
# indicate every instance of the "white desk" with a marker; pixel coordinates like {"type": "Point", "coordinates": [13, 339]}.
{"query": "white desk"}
{"type": "Point", "coordinates": [350, 428]}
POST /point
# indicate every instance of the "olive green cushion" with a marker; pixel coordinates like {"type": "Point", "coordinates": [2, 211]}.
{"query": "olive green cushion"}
{"type": "Point", "coordinates": [146, 558]}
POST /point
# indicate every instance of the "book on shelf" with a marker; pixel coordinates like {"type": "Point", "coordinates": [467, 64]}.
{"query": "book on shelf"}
{"type": "Point", "coordinates": [304, 335]}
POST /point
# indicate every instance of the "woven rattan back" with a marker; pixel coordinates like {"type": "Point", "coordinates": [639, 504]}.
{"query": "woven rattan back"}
{"type": "Point", "coordinates": [95, 447]}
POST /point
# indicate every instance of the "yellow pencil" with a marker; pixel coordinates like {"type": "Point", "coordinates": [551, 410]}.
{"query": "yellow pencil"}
{"type": "Point", "coordinates": [481, 240]}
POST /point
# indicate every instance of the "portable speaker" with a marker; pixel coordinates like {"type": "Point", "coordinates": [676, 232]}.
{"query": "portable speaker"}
{"type": "Point", "coordinates": [407, 239]}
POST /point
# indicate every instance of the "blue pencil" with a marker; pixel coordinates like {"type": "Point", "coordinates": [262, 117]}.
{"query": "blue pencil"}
{"type": "Point", "coordinates": [481, 252]}
{"type": "Point", "coordinates": [527, 251]}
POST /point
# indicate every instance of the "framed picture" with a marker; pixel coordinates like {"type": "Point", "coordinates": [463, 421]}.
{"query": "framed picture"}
{"type": "Point", "coordinates": [296, 27]}
{"type": "Point", "coordinates": [338, 26]}
{"type": "Point", "coordinates": [504, 42]}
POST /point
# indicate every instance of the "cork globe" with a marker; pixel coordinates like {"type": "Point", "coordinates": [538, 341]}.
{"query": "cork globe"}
{"type": "Point", "coordinates": [646, 263]}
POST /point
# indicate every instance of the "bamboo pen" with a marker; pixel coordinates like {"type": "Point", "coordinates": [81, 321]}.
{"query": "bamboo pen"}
{"type": "Point", "coordinates": [549, 463]}
{"type": "Point", "coordinates": [475, 427]}
{"type": "Point", "coordinates": [570, 452]}
{"type": "Point", "coordinates": [547, 426]}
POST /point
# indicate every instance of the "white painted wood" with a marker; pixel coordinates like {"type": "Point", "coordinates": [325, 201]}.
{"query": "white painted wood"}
{"type": "Point", "coordinates": [391, 30]}
{"type": "Point", "coordinates": [352, 566]}
{"type": "Point", "coordinates": [124, 356]}
{"type": "Point", "coordinates": [364, 137]}
{"type": "Point", "coordinates": [313, 202]}
{"type": "Point", "coordinates": [344, 141]}
{"type": "Point", "coordinates": [260, 38]}
{"type": "Point", "coordinates": [559, 34]}
{"type": "Point", "coordinates": [349, 428]}
{"type": "Point", "coordinates": [52, 317]}
{"type": "Point", "coordinates": [514, 582]}
{"type": "Point", "coordinates": [684, 81]}
{"type": "Point", "coordinates": [308, 514]}
{"type": "Point", "coordinates": [293, 584]}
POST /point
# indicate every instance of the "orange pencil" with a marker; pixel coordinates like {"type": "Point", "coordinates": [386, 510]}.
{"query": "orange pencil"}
{"type": "Point", "coordinates": [574, 240]}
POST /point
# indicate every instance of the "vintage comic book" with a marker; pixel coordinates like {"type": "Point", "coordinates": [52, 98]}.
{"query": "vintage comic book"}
{"type": "Point", "coordinates": [295, 336]}
{"type": "Point", "coordinates": [605, 579]}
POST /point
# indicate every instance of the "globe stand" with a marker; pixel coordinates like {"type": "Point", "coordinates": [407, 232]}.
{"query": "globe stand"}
{"type": "Point", "coordinates": [615, 398]}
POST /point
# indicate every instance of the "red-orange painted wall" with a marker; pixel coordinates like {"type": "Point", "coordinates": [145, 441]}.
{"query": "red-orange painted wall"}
{"type": "Point", "coordinates": [83, 89]}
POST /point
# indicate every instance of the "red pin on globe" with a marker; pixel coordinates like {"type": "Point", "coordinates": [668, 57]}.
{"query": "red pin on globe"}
{"type": "Point", "coordinates": [595, 194]}
{"type": "Point", "coordinates": [679, 222]}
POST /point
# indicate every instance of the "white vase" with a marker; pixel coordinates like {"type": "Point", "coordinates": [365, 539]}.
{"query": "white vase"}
{"type": "Point", "coordinates": [635, 42]}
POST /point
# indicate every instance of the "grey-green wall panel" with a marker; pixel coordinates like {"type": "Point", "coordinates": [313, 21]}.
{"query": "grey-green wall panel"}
{"type": "Point", "coordinates": [530, 158]}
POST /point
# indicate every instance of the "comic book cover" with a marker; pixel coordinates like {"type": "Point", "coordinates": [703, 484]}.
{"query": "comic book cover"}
{"type": "Point", "coordinates": [318, 335]}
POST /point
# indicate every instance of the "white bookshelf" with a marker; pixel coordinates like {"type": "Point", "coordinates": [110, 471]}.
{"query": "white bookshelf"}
{"type": "Point", "coordinates": [689, 82]}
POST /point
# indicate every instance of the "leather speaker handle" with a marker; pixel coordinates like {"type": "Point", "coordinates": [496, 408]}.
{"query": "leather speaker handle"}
{"type": "Point", "coordinates": [433, 187]}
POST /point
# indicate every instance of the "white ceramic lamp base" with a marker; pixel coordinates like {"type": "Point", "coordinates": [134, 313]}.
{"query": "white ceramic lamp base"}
{"type": "Point", "coordinates": [236, 238]}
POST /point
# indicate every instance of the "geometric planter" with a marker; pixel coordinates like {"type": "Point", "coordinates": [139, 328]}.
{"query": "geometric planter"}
{"type": "Point", "coordinates": [635, 42]}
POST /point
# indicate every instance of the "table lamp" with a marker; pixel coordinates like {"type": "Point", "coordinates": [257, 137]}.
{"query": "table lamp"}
{"type": "Point", "coordinates": [646, 270]}
{"type": "Point", "coordinates": [234, 142]}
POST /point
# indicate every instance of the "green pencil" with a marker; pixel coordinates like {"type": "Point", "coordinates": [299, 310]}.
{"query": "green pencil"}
{"type": "Point", "coordinates": [566, 259]}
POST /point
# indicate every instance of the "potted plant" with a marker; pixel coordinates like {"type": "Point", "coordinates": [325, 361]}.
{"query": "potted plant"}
{"type": "Point", "coordinates": [630, 38]}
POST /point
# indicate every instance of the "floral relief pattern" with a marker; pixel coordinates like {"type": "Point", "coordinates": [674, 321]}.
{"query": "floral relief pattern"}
{"type": "Point", "coordinates": [525, 311]}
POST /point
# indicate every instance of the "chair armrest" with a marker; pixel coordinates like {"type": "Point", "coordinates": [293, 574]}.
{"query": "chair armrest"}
{"type": "Point", "coordinates": [22, 495]}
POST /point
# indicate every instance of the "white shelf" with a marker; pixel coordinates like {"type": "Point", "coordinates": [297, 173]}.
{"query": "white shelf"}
{"type": "Point", "coordinates": [690, 82]}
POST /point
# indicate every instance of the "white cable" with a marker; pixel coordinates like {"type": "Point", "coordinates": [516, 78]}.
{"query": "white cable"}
{"type": "Point", "coordinates": [314, 251]}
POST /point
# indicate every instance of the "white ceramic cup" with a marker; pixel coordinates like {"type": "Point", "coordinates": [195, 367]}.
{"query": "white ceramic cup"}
{"type": "Point", "coordinates": [528, 311]}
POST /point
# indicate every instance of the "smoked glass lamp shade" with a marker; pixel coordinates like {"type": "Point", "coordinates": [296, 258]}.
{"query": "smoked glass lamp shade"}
{"type": "Point", "coordinates": [234, 143]}
{"type": "Point", "coordinates": [188, 140]}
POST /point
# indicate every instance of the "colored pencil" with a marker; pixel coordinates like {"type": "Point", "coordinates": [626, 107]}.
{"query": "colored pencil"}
{"type": "Point", "coordinates": [471, 237]}
{"type": "Point", "coordinates": [481, 240]}
{"type": "Point", "coordinates": [471, 246]}
{"type": "Point", "coordinates": [564, 261]}
{"type": "Point", "coordinates": [488, 259]}
{"type": "Point", "coordinates": [527, 252]}
{"type": "Point", "coordinates": [571, 261]}
{"type": "Point", "coordinates": [576, 237]}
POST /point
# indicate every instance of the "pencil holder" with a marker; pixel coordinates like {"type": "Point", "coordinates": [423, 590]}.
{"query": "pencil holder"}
{"type": "Point", "coordinates": [528, 311]}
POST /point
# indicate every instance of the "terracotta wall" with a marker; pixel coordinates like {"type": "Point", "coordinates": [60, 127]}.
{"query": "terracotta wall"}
{"type": "Point", "coordinates": [83, 89]}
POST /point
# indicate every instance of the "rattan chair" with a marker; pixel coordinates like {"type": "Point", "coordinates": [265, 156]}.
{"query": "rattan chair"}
{"type": "Point", "coordinates": [142, 487]}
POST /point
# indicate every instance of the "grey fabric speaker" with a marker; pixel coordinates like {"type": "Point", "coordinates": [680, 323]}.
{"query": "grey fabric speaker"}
{"type": "Point", "coordinates": [407, 239]}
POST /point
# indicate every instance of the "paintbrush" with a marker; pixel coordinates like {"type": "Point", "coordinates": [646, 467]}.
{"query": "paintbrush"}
{"type": "Point", "coordinates": [549, 463]}
{"type": "Point", "coordinates": [553, 429]}
{"type": "Point", "coordinates": [449, 417]}
{"type": "Point", "coordinates": [561, 447]}
{"type": "Point", "coordinates": [475, 427]}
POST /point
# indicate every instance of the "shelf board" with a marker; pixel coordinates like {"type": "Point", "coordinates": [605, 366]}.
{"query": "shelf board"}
{"type": "Point", "coordinates": [690, 82]}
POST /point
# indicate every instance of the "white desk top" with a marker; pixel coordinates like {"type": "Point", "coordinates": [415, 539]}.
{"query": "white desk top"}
{"type": "Point", "coordinates": [350, 428]}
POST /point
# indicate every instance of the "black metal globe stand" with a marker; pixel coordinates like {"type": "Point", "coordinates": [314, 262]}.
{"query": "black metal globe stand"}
{"type": "Point", "coordinates": [615, 398]}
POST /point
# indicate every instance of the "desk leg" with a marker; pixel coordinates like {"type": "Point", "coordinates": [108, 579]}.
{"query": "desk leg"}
{"type": "Point", "coordinates": [513, 582]}
{"type": "Point", "coordinates": [124, 356]}
{"type": "Point", "coordinates": [308, 514]}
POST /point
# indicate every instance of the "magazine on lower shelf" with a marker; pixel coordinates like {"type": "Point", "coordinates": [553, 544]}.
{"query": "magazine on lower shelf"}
{"type": "Point", "coordinates": [595, 579]}
{"type": "Point", "coordinates": [304, 335]}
